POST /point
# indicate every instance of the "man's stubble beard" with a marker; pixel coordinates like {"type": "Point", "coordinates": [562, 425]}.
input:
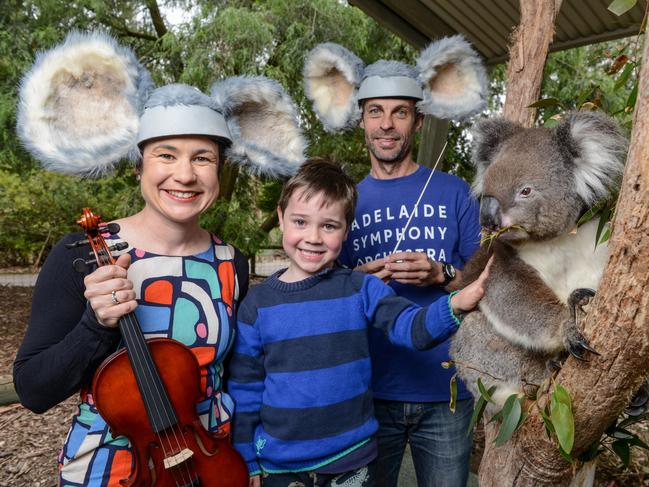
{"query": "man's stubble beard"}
{"type": "Point", "coordinates": [396, 158]}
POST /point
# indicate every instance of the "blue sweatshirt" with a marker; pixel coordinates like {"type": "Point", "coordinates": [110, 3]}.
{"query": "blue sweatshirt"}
{"type": "Point", "coordinates": [445, 226]}
{"type": "Point", "coordinates": [301, 371]}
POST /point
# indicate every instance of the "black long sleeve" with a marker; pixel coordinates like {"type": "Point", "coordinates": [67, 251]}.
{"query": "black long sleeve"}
{"type": "Point", "coordinates": [64, 343]}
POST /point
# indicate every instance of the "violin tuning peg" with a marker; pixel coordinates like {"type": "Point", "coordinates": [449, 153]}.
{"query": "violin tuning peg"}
{"type": "Point", "coordinates": [83, 266]}
{"type": "Point", "coordinates": [118, 246]}
{"type": "Point", "coordinates": [80, 266]}
{"type": "Point", "coordinates": [112, 228]}
{"type": "Point", "coordinates": [78, 243]}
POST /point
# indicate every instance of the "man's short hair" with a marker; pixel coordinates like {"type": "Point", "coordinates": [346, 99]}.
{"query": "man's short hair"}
{"type": "Point", "coordinates": [318, 175]}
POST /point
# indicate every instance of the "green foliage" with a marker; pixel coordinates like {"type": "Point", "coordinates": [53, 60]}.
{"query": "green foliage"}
{"type": "Point", "coordinates": [200, 41]}
{"type": "Point", "coordinates": [480, 405]}
{"type": "Point", "coordinates": [511, 416]}
{"type": "Point", "coordinates": [207, 41]}
{"type": "Point", "coordinates": [563, 423]}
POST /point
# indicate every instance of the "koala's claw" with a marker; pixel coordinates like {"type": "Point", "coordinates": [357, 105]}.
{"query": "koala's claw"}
{"type": "Point", "coordinates": [578, 345]}
{"type": "Point", "coordinates": [578, 299]}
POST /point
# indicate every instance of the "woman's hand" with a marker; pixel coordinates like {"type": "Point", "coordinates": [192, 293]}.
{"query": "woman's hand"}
{"type": "Point", "coordinates": [255, 481]}
{"type": "Point", "coordinates": [110, 293]}
{"type": "Point", "coordinates": [469, 297]}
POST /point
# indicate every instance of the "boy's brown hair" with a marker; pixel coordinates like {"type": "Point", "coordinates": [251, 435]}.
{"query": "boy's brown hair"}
{"type": "Point", "coordinates": [318, 175]}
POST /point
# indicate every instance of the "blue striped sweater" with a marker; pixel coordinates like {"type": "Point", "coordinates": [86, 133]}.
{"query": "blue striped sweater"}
{"type": "Point", "coordinates": [301, 373]}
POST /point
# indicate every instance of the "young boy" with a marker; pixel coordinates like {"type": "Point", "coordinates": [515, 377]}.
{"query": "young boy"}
{"type": "Point", "coordinates": [300, 374]}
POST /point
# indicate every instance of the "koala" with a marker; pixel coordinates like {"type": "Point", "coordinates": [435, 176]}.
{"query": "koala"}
{"type": "Point", "coordinates": [533, 185]}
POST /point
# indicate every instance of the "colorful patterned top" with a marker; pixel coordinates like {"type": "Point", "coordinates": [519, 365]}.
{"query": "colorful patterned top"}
{"type": "Point", "coordinates": [192, 299]}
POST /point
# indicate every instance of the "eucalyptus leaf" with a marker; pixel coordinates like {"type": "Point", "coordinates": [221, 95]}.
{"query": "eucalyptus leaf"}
{"type": "Point", "coordinates": [549, 428]}
{"type": "Point", "coordinates": [601, 226]}
{"type": "Point", "coordinates": [478, 411]}
{"type": "Point", "coordinates": [621, 449]}
{"type": "Point", "coordinates": [624, 77]}
{"type": "Point", "coordinates": [562, 395]}
{"type": "Point", "coordinates": [453, 402]}
{"type": "Point", "coordinates": [545, 103]}
{"type": "Point", "coordinates": [512, 412]}
{"type": "Point", "coordinates": [633, 96]}
{"type": "Point", "coordinates": [636, 441]}
{"type": "Point", "coordinates": [564, 425]}
{"type": "Point", "coordinates": [484, 392]}
{"type": "Point", "coordinates": [565, 455]}
{"type": "Point", "coordinates": [632, 420]}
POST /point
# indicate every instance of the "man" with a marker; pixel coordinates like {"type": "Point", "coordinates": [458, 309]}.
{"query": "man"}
{"type": "Point", "coordinates": [411, 389]}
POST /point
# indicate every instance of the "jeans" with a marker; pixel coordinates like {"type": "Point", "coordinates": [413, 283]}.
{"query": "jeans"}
{"type": "Point", "coordinates": [360, 477]}
{"type": "Point", "coordinates": [440, 445]}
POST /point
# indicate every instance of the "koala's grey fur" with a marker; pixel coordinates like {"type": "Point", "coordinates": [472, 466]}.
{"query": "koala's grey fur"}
{"type": "Point", "coordinates": [541, 181]}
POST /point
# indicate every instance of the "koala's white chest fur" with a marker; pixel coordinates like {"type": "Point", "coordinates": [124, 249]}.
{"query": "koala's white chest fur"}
{"type": "Point", "coordinates": [568, 262]}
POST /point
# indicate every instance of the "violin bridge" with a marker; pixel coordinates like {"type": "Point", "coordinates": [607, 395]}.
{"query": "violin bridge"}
{"type": "Point", "coordinates": [178, 458]}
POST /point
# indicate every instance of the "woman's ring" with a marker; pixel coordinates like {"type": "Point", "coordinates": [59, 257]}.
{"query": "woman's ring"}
{"type": "Point", "coordinates": [114, 295]}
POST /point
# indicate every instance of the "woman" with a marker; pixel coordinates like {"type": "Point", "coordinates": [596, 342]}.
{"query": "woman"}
{"type": "Point", "coordinates": [181, 281]}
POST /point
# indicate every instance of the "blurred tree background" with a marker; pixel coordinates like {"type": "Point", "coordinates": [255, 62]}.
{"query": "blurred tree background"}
{"type": "Point", "coordinates": [201, 41]}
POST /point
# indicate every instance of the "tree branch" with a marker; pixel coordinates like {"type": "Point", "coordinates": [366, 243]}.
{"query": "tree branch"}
{"type": "Point", "coordinates": [156, 18]}
{"type": "Point", "coordinates": [527, 54]}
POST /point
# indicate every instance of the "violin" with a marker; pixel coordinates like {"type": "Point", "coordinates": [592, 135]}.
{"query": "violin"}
{"type": "Point", "coordinates": [148, 392]}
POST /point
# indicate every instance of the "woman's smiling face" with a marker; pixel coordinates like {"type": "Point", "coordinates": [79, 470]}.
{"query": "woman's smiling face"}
{"type": "Point", "coordinates": [179, 176]}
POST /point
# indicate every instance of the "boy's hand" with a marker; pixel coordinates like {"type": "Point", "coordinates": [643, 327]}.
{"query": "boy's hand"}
{"type": "Point", "coordinates": [469, 297]}
{"type": "Point", "coordinates": [255, 481]}
{"type": "Point", "coordinates": [376, 268]}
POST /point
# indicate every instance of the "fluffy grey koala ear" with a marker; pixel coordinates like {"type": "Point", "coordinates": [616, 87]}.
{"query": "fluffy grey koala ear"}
{"type": "Point", "coordinates": [263, 123]}
{"type": "Point", "coordinates": [597, 148]}
{"type": "Point", "coordinates": [453, 77]}
{"type": "Point", "coordinates": [488, 136]}
{"type": "Point", "coordinates": [80, 103]}
{"type": "Point", "coordinates": [332, 75]}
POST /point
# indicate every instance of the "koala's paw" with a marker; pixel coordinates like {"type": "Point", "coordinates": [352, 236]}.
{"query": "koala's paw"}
{"type": "Point", "coordinates": [579, 298]}
{"type": "Point", "coordinates": [555, 363]}
{"type": "Point", "coordinates": [577, 345]}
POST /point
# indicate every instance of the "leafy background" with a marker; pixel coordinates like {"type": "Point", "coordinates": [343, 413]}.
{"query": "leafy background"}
{"type": "Point", "coordinates": [200, 41]}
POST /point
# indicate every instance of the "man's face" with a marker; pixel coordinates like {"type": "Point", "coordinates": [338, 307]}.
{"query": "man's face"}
{"type": "Point", "coordinates": [389, 124]}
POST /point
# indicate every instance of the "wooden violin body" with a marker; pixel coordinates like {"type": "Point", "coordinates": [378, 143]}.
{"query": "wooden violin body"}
{"type": "Point", "coordinates": [148, 392]}
{"type": "Point", "coordinates": [117, 397]}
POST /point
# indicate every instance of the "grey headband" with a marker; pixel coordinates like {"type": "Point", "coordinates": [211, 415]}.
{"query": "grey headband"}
{"type": "Point", "coordinates": [390, 87]}
{"type": "Point", "coordinates": [161, 121]}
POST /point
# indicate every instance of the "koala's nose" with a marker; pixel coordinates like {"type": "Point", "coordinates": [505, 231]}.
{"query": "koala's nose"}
{"type": "Point", "coordinates": [490, 213]}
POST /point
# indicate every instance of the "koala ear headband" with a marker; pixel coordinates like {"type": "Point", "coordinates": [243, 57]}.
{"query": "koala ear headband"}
{"type": "Point", "coordinates": [88, 103]}
{"type": "Point", "coordinates": [449, 80]}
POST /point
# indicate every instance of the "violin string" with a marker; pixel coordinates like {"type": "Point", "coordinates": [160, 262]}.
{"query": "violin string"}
{"type": "Point", "coordinates": [140, 362]}
{"type": "Point", "coordinates": [129, 333]}
{"type": "Point", "coordinates": [105, 258]}
{"type": "Point", "coordinates": [160, 394]}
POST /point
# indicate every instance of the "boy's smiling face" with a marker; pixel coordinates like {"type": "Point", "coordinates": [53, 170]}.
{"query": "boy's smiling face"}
{"type": "Point", "coordinates": [313, 232]}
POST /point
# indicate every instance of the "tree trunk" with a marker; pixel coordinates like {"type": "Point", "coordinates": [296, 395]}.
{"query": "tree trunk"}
{"type": "Point", "coordinates": [617, 326]}
{"type": "Point", "coordinates": [527, 54]}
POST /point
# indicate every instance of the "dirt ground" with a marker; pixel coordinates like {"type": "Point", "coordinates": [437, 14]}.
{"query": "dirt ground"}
{"type": "Point", "coordinates": [29, 443]}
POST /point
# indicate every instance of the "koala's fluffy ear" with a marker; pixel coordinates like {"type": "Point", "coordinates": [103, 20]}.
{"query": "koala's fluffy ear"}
{"type": "Point", "coordinates": [262, 120]}
{"type": "Point", "coordinates": [597, 149]}
{"type": "Point", "coordinates": [332, 75]}
{"type": "Point", "coordinates": [453, 77]}
{"type": "Point", "coordinates": [488, 135]}
{"type": "Point", "coordinates": [80, 104]}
